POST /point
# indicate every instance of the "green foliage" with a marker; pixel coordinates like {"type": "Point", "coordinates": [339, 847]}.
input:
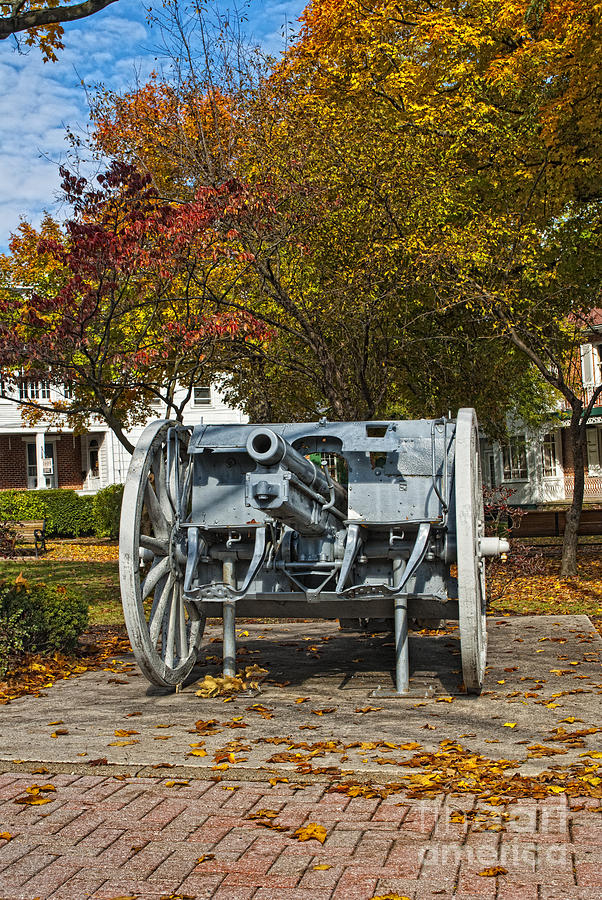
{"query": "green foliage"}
{"type": "Point", "coordinates": [107, 511]}
{"type": "Point", "coordinates": [66, 513]}
{"type": "Point", "coordinates": [38, 618]}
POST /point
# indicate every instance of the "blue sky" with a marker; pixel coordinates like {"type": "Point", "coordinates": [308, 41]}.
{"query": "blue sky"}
{"type": "Point", "coordinates": [115, 47]}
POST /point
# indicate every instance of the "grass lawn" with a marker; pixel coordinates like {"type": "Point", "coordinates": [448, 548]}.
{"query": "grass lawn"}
{"type": "Point", "coordinates": [97, 580]}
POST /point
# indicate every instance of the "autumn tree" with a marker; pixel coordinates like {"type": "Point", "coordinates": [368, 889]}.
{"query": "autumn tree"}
{"type": "Point", "coordinates": [42, 21]}
{"type": "Point", "coordinates": [114, 306]}
{"type": "Point", "coordinates": [473, 132]}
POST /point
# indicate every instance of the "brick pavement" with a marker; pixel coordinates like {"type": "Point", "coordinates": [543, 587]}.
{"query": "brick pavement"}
{"type": "Point", "coordinates": [107, 837]}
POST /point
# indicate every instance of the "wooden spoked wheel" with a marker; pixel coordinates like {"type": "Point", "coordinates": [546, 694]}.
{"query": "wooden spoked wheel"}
{"type": "Point", "coordinates": [165, 630]}
{"type": "Point", "coordinates": [471, 565]}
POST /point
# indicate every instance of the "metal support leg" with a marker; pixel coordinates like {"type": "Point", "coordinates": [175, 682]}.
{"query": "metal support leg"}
{"type": "Point", "coordinates": [402, 656]}
{"type": "Point", "coordinates": [229, 620]}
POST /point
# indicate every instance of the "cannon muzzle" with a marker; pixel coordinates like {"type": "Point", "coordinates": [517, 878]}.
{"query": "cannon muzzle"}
{"type": "Point", "coordinates": [270, 449]}
{"type": "Point", "coordinates": [290, 487]}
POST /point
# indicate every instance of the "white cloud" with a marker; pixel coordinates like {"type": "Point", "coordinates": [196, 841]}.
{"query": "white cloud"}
{"type": "Point", "coordinates": [38, 101]}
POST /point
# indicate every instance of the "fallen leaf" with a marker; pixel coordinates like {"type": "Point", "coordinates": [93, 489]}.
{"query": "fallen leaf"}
{"type": "Point", "coordinates": [390, 897]}
{"type": "Point", "coordinates": [205, 857]}
{"type": "Point", "coordinates": [321, 868]}
{"type": "Point", "coordinates": [493, 871]}
{"type": "Point", "coordinates": [264, 814]}
{"type": "Point", "coordinates": [122, 732]}
{"type": "Point", "coordinates": [176, 783]}
{"type": "Point", "coordinates": [311, 832]}
{"type": "Point", "coordinates": [5, 836]}
{"type": "Point", "coordinates": [323, 712]}
{"type": "Point", "coordinates": [509, 724]}
{"type": "Point", "coordinates": [59, 732]}
{"type": "Point", "coordinates": [122, 743]}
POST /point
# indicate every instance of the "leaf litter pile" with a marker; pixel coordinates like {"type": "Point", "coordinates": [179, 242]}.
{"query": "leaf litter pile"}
{"type": "Point", "coordinates": [35, 673]}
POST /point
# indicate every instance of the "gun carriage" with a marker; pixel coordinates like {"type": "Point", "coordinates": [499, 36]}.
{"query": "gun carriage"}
{"type": "Point", "coordinates": [226, 520]}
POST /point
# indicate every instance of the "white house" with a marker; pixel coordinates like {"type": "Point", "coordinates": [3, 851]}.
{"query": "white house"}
{"type": "Point", "coordinates": [44, 456]}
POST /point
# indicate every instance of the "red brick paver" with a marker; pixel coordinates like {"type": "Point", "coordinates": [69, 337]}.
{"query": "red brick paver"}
{"type": "Point", "coordinates": [104, 837]}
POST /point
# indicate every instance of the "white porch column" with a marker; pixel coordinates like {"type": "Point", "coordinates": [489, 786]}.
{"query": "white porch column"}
{"type": "Point", "coordinates": [40, 446]}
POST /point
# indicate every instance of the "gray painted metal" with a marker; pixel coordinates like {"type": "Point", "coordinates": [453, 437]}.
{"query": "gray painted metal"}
{"type": "Point", "coordinates": [233, 518]}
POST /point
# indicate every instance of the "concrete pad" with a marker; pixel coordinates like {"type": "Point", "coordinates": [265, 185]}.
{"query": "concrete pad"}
{"type": "Point", "coordinates": [542, 670]}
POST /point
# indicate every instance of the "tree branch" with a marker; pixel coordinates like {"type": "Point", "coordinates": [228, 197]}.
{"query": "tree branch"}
{"type": "Point", "coordinates": [35, 18]}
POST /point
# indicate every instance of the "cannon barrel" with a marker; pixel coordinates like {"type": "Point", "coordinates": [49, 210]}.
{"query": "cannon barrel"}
{"type": "Point", "coordinates": [311, 506]}
{"type": "Point", "coordinates": [270, 449]}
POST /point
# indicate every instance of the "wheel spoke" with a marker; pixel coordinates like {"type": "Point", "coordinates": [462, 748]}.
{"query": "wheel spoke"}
{"type": "Point", "coordinates": [168, 649]}
{"type": "Point", "coordinates": [154, 576]}
{"type": "Point", "coordinates": [158, 612]}
{"type": "Point", "coordinates": [158, 518]}
{"type": "Point", "coordinates": [159, 547]}
{"type": "Point", "coordinates": [182, 633]}
{"type": "Point", "coordinates": [158, 468]}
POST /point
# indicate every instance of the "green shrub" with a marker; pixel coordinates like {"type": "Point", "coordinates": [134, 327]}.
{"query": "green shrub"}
{"type": "Point", "coordinates": [38, 618]}
{"type": "Point", "coordinates": [107, 511]}
{"type": "Point", "coordinates": [66, 513]}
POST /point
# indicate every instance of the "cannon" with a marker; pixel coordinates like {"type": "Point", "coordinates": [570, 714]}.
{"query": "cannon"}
{"type": "Point", "coordinates": [314, 520]}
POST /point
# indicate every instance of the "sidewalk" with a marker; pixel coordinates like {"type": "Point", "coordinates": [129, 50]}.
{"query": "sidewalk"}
{"type": "Point", "coordinates": [157, 796]}
{"type": "Point", "coordinates": [107, 838]}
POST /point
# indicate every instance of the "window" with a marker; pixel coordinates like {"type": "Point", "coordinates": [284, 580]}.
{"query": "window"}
{"type": "Point", "coordinates": [594, 450]}
{"type": "Point", "coordinates": [34, 390]}
{"type": "Point", "coordinates": [68, 391]}
{"type": "Point", "coordinates": [93, 468]}
{"type": "Point", "coordinates": [489, 474]}
{"type": "Point", "coordinates": [32, 465]}
{"type": "Point", "coordinates": [515, 459]}
{"type": "Point", "coordinates": [549, 461]}
{"type": "Point", "coordinates": [202, 396]}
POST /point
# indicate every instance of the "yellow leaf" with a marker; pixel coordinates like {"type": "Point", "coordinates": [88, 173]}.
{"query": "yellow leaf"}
{"type": "Point", "coordinates": [509, 724]}
{"type": "Point", "coordinates": [263, 814]}
{"type": "Point", "coordinates": [198, 753]}
{"type": "Point", "coordinates": [320, 868]}
{"type": "Point", "coordinates": [205, 857]}
{"type": "Point", "coordinates": [493, 871]}
{"type": "Point", "coordinates": [390, 897]}
{"type": "Point", "coordinates": [311, 832]}
{"type": "Point", "coordinates": [121, 732]}
{"type": "Point", "coordinates": [175, 783]}
{"type": "Point", "coordinates": [5, 836]}
{"type": "Point", "coordinates": [122, 743]}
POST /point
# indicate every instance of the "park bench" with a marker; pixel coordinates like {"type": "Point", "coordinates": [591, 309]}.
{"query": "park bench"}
{"type": "Point", "coordinates": [32, 531]}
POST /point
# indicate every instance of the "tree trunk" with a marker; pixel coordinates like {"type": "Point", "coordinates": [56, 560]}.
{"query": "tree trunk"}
{"type": "Point", "coordinates": [569, 544]}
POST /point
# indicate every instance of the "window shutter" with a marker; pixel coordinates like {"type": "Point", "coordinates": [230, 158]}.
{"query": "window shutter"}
{"type": "Point", "coordinates": [587, 365]}
{"type": "Point", "coordinates": [593, 452]}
